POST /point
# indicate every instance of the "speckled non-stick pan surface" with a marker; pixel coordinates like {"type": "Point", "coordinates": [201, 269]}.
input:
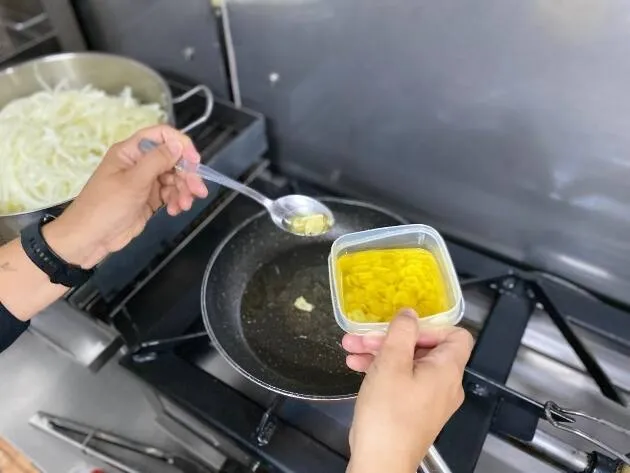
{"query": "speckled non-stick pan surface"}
{"type": "Point", "coordinates": [250, 286]}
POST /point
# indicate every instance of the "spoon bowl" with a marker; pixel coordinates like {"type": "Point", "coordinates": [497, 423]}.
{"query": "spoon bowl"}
{"type": "Point", "coordinates": [301, 215]}
{"type": "Point", "coordinates": [297, 214]}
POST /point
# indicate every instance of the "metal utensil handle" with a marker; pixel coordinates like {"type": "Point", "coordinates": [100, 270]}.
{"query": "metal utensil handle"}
{"type": "Point", "coordinates": [107, 437]}
{"type": "Point", "coordinates": [208, 110]}
{"type": "Point", "coordinates": [434, 463]}
{"type": "Point", "coordinates": [210, 174]}
{"type": "Point", "coordinates": [40, 422]}
{"type": "Point", "coordinates": [552, 410]}
{"type": "Point", "coordinates": [27, 24]}
{"type": "Point", "coordinates": [151, 349]}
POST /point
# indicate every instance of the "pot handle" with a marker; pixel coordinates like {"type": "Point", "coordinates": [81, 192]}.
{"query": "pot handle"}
{"type": "Point", "coordinates": [207, 112]}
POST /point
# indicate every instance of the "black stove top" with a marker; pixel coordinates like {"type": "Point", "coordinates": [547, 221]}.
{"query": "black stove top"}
{"type": "Point", "coordinates": [160, 320]}
{"type": "Point", "coordinates": [221, 396]}
{"type": "Point", "coordinates": [292, 435]}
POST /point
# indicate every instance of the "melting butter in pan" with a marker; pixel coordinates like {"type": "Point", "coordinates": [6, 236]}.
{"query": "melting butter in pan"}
{"type": "Point", "coordinates": [303, 305]}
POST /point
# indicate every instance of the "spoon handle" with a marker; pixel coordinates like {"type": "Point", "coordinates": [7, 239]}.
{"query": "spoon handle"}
{"type": "Point", "coordinates": [210, 174]}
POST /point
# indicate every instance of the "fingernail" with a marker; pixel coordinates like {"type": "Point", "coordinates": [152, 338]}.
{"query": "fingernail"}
{"type": "Point", "coordinates": [408, 313]}
{"type": "Point", "coordinates": [175, 148]}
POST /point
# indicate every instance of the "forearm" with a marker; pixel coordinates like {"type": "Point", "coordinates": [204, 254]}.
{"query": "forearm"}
{"type": "Point", "coordinates": [112, 208]}
{"type": "Point", "coordinates": [24, 289]}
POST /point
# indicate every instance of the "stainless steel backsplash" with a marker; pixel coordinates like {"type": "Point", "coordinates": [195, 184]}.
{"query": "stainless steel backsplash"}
{"type": "Point", "coordinates": [504, 122]}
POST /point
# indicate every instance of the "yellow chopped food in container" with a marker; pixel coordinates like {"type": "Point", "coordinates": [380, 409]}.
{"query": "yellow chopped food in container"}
{"type": "Point", "coordinates": [376, 284]}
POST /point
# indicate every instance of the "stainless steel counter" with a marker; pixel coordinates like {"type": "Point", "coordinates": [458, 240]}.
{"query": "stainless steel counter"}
{"type": "Point", "coordinates": [35, 377]}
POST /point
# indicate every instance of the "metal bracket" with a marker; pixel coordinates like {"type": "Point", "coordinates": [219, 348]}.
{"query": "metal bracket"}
{"type": "Point", "coordinates": [498, 342]}
{"type": "Point", "coordinates": [526, 286]}
{"type": "Point", "coordinates": [559, 417]}
{"type": "Point", "coordinates": [491, 406]}
{"type": "Point", "coordinates": [268, 423]}
{"type": "Point", "coordinates": [598, 374]}
{"type": "Point", "coordinates": [149, 350]}
{"type": "Point", "coordinates": [482, 386]}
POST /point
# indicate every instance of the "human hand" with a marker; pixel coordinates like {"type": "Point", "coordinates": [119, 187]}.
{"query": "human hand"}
{"type": "Point", "coordinates": [123, 193]}
{"type": "Point", "coordinates": [413, 385]}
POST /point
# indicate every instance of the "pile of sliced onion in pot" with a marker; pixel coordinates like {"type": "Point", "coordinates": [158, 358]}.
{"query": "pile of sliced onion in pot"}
{"type": "Point", "coordinates": [51, 141]}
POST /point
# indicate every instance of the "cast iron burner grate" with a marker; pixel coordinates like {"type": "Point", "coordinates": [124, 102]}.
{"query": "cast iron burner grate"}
{"type": "Point", "coordinates": [490, 406]}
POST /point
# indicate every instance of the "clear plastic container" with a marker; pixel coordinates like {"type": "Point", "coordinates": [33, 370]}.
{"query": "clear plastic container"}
{"type": "Point", "coordinates": [404, 236]}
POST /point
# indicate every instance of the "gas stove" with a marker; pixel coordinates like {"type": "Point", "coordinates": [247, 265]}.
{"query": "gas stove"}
{"type": "Point", "coordinates": [543, 346]}
{"type": "Point", "coordinates": [545, 338]}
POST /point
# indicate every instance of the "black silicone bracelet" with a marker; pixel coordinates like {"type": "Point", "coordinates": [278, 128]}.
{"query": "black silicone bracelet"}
{"type": "Point", "coordinates": [38, 251]}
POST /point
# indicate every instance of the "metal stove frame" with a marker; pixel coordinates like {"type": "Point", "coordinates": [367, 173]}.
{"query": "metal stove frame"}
{"type": "Point", "coordinates": [490, 406]}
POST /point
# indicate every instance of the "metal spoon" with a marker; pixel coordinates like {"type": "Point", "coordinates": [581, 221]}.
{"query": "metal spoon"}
{"type": "Point", "coordinates": [297, 214]}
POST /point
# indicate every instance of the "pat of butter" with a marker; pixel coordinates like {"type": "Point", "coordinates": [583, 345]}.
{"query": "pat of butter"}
{"type": "Point", "coordinates": [310, 225]}
{"type": "Point", "coordinates": [303, 305]}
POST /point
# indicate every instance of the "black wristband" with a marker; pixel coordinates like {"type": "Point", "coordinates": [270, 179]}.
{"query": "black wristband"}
{"type": "Point", "coordinates": [58, 270]}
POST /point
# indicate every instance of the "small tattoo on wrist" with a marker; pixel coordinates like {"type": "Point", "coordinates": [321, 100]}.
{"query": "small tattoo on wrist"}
{"type": "Point", "coordinates": [6, 267]}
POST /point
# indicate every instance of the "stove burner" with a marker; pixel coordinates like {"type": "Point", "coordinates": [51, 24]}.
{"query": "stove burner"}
{"type": "Point", "coordinates": [491, 406]}
{"type": "Point", "coordinates": [169, 349]}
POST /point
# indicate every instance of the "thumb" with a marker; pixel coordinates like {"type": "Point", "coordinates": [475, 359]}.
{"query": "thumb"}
{"type": "Point", "coordinates": [400, 343]}
{"type": "Point", "coordinates": [159, 160]}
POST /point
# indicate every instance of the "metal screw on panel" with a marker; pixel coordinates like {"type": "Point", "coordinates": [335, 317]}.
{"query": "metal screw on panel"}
{"type": "Point", "coordinates": [479, 390]}
{"type": "Point", "coordinates": [274, 77]}
{"type": "Point", "coordinates": [144, 358]}
{"type": "Point", "coordinates": [189, 53]}
{"type": "Point", "coordinates": [509, 283]}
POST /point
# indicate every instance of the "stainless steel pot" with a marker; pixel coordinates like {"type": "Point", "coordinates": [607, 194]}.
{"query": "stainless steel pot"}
{"type": "Point", "coordinates": [107, 72]}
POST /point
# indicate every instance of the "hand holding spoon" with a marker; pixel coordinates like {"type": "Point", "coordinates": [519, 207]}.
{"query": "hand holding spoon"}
{"type": "Point", "coordinates": [297, 214]}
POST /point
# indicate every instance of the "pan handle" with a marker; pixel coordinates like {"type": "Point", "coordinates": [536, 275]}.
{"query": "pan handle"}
{"type": "Point", "coordinates": [207, 93]}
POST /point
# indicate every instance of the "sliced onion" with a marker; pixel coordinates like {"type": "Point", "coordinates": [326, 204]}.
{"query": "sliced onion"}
{"type": "Point", "coordinates": [51, 141]}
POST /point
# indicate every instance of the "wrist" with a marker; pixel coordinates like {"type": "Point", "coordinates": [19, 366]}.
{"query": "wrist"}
{"type": "Point", "coordinates": [72, 245]}
{"type": "Point", "coordinates": [380, 464]}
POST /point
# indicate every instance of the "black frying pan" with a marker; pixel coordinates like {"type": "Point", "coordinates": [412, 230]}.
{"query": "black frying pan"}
{"type": "Point", "coordinates": [249, 288]}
